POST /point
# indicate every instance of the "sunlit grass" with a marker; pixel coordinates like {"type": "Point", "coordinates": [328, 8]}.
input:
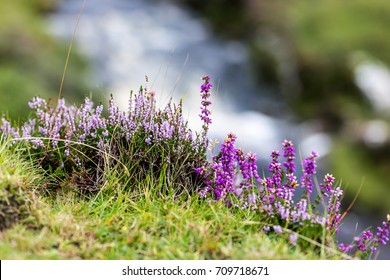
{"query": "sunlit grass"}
{"type": "Point", "coordinates": [116, 225]}
{"type": "Point", "coordinates": [137, 223]}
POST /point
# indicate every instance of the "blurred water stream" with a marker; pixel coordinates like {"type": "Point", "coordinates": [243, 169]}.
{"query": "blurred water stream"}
{"type": "Point", "coordinates": [126, 40]}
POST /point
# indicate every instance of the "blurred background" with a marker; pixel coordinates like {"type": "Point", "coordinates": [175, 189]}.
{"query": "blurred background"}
{"type": "Point", "coordinates": [315, 71]}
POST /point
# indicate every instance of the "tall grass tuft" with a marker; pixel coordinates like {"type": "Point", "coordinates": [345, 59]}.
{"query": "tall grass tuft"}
{"type": "Point", "coordinates": [81, 144]}
{"type": "Point", "coordinates": [16, 176]}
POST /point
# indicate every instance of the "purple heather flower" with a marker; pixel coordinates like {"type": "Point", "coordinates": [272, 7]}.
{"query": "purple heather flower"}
{"type": "Point", "coordinates": [309, 168]}
{"type": "Point", "coordinates": [148, 140]}
{"type": "Point", "coordinates": [289, 155]}
{"type": "Point", "coordinates": [28, 128]}
{"type": "Point", "coordinates": [252, 198]}
{"type": "Point", "coordinates": [300, 212]}
{"type": "Point", "coordinates": [26, 132]}
{"type": "Point", "coordinates": [360, 244]}
{"type": "Point", "coordinates": [115, 117]}
{"type": "Point", "coordinates": [278, 229]}
{"type": "Point", "coordinates": [37, 102]}
{"type": "Point", "coordinates": [7, 129]}
{"type": "Point", "coordinates": [239, 191]}
{"type": "Point", "coordinates": [203, 193]}
{"type": "Point", "coordinates": [282, 210]}
{"type": "Point", "coordinates": [224, 167]}
{"type": "Point", "coordinates": [199, 170]}
{"type": "Point", "coordinates": [205, 112]}
{"type": "Point", "coordinates": [248, 167]}
{"type": "Point", "coordinates": [326, 186]}
{"type": "Point", "coordinates": [333, 209]}
{"type": "Point", "coordinates": [166, 130]}
{"type": "Point", "coordinates": [228, 152]}
{"type": "Point", "coordinates": [251, 159]}
{"type": "Point", "coordinates": [266, 228]}
{"type": "Point", "coordinates": [276, 169]}
{"type": "Point", "coordinates": [382, 235]}
{"type": "Point", "coordinates": [291, 183]}
{"type": "Point", "coordinates": [366, 235]}
{"type": "Point", "coordinates": [268, 199]}
{"type": "Point", "coordinates": [345, 248]}
{"type": "Point", "coordinates": [293, 238]}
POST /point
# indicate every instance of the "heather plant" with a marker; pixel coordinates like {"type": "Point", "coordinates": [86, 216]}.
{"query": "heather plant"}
{"type": "Point", "coordinates": [234, 180]}
{"type": "Point", "coordinates": [81, 145]}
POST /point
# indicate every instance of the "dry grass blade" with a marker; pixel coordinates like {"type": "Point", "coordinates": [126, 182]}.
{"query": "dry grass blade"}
{"type": "Point", "coordinates": [70, 49]}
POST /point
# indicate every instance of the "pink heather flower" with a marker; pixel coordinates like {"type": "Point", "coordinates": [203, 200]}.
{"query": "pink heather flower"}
{"type": "Point", "coordinates": [203, 193]}
{"type": "Point", "coordinates": [278, 229]}
{"type": "Point", "coordinates": [333, 209]}
{"type": "Point", "coordinates": [293, 238]}
{"type": "Point", "coordinates": [205, 112]}
{"type": "Point", "coordinates": [326, 186]}
{"type": "Point", "coordinates": [266, 228]}
{"type": "Point", "coordinates": [252, 198]}
{"type": "Point", "coordinates": [37, 102]}
{"type": "Point", "coordinates": [7, 129]}
{"type": "Point", "coordinates": [239, 191]}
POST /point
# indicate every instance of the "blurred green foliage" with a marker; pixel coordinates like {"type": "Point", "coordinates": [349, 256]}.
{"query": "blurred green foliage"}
{"type": "Point", "coordinates": [32, 61]}
{"type": "Point", "coordinates": [332, 27]}
{"type": "Point", "coordinates": [326, 35]}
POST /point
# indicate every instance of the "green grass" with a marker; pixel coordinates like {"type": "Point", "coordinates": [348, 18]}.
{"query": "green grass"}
{"type": "Point", "coordinates": [137, 224]}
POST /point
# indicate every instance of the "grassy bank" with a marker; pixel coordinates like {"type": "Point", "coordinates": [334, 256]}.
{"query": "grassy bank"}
{"type": "Point", "coordinates": [138, 224]}
{"type": "Point", "coordinates": [78, 183]}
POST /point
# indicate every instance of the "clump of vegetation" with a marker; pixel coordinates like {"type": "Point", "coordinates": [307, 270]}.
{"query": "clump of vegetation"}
{"type": "Point", "coordinates": [306, 219]}
{"type": "Point", "coordinates": [82, 148]}
{"type": "Point", "coordinates": [80, 144]}
{"type": "Point", "coordinates": [15, 176]}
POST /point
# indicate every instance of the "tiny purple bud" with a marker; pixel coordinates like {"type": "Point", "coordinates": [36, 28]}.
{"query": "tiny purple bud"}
{"type": "Point", "coordinates": [293, 238]}
{"type": "Point", "coordinates": [278, 229]}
